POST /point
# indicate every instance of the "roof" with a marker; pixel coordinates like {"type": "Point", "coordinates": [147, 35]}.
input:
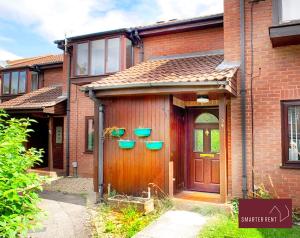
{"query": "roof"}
{"type": "Point", "coordinates": [158, 25]}
{"type": "Point", "coordinates": [39, 99]}
{"type": "Point", "coordinates": [174, 22]}
{"type": "Point", "coordinates": [37, 60]}
{"type": "Point", "coordinates": [167, 71]}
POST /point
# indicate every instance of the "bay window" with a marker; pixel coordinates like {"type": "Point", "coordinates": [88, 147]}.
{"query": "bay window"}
{"type": "Point", "coordinates": [291, 133]}
{"type": "Point", "coordinates": [98, 57]}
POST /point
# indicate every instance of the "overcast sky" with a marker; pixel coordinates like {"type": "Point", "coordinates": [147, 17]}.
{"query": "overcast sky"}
{"type": "Point", "coordinates": [29, 27]}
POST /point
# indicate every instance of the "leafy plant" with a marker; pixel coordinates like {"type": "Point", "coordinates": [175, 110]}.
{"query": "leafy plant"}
{"type": "Point", "coordinates": [235, 206]}
{"type": "Point", "coordinates": [262, 192]}
{"type": "Point", "coordinates": [18, 188]}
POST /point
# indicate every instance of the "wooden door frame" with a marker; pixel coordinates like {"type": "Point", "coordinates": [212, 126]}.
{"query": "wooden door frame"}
{"type": "Point", "coordinates": [222, 108]}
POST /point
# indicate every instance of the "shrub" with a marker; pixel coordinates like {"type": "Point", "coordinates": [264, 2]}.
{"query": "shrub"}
{"type": "Point", "coordinates": [18, 188]}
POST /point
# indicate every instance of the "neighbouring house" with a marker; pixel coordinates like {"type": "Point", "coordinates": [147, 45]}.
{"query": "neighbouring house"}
{"type": "Point", "coordinates": [34, 87]}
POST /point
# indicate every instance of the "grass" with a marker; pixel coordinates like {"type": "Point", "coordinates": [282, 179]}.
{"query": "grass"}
{"type": "Point", "coordinates": [126, 223]}
{"type": "Point", "coordinates": [225, 226]}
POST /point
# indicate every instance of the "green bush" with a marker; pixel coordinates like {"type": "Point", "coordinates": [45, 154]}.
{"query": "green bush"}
{"type": "Point", "coordinates": [18, 188]}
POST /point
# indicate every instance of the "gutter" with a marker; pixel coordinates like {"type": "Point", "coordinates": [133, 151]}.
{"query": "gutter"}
{"type": "Point", "coordinates": [157, 84]}
{"type": "Point", "coordinates": [243, 98]}
{"type": "Point", "coordinates": [100, 106]}
{"type": "Point", "coordinates": [68, 110]}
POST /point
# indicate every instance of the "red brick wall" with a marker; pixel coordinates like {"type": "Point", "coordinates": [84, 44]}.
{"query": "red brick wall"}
{"type": "Point", "coordinates": [54, 77]}
{"type": "Point", "coordinates": [81, 106]}
{"type": "Point", "coordinates": [279, 80]}
{"type": "Point", "coordinates": [182, 43]}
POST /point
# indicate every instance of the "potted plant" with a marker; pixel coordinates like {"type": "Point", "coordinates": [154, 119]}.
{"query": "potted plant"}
{"type": "Point", "coordinates": [114, 131]}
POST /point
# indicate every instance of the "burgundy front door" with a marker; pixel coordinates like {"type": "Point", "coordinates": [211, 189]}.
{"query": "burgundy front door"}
{"type": "Point", "coordinates": [204, 148]}
{"type": "Point", "coordinates": [57, 143]}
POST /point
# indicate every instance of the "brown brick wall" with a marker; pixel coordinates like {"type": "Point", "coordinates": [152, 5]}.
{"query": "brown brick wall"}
{"type": "Point", "coordinates": [182, 43]}
{"type": "Point", "coordinates": [279, 79]}
{"type": "Point", "coordinates": [81, 106]}
{"type": "Point", "coordinates": [54, 77]}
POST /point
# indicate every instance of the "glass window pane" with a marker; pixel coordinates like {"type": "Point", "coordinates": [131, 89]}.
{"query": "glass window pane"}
{"type": "Point", "coordinates": [128, 53]}
{"type": "Point", "coordinates": [59, 135]}
{"type": "Point", "coordinates": [207, 118]}
{"type": "Point", "coordinates": [215, 140]}
{"type": "Point", "coordinates": [97, 57]}
{"type": "Point", "coordinates": [290, 10]}
{"type": "Point", "coordinates": [82, 59]}
{"type": "Point", "coordinates": [14, 82]}
{"type": "Point", "coordinates": [198, 140]}
{"type": "Point", "coordinates": [113, 55]}
{"type": "Point", "coordinates": [294, 132]}
{"type": "Point", "coordinates": [6, 83]}
{"type": "Point", "coordinates": [90, 135]}
{"type": "Point", "coordinates": [34, 81]}
{"type": "Point", "coordinates": [22, 82]}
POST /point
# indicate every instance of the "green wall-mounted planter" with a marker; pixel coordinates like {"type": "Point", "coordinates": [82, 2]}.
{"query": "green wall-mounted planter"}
{"type": "Point", "coordinates": [126, 144]}
{"type": "Point", "coordinates": [118, 132]}
{"type": "Point", "coordinates": [154, 145]}
{"type": "Point", "coordinates": [142, 132]}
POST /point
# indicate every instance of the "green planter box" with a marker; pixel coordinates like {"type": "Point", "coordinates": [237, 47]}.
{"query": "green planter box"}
{"type": "Point", "coordinates": [154, 145]}
{"type": "Point", "coordinates": [126, 144]}
{"type": "Point", "coordinates": [142, 132]}
{"type": "Point", "coordinates": [118, 132]}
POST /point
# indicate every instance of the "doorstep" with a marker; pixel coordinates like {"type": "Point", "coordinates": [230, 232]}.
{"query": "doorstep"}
{"type": "Point", "coordinates": [199, 196]}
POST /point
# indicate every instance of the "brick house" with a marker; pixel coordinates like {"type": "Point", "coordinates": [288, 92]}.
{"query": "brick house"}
{"type": "Point", "coordinates": [218, 93]}
{"type": "Point", "coordinates": [34, 87]}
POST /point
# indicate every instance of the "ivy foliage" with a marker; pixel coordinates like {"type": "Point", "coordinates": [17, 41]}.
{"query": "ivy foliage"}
{"type": "Point", "coordinates": [18, 188]}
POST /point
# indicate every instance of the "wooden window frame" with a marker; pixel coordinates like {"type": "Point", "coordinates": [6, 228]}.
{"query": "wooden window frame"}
{"type": "Point", "coordinates": [277, 14]}
{"type": "Point", "coordinates": [9, 84]}
{"type": "Point", "coordinates": [89, 57]}
{"type": "Point", "coordinates": [286, 163]}
{"type": "Point", "coordinates": [87, 118]}
{"type": "Point", "coordinates": [10, 80]}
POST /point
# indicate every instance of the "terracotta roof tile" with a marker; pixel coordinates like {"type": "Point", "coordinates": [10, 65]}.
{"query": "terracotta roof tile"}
{"type": "Point", "coordinates": [170, 70]}
{"type": "Point", "coordinates": [39, 99]}
{"type": "Point", "coordinates": [38, 60]}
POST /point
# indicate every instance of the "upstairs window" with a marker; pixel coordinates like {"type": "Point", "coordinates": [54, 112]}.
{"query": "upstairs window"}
{"type": "Point", "coordinates": [14, 83]}
{"type": "Point", "coordinates": [6, 83]}
{"type": "Point", "coordinates": [34, 81]}
{"type": "Point", "coordinates": [98, 57]}
{"type": "Point", "coordinates": [290, 10]}
{"type": "Point", "coordinates": [82, 59]}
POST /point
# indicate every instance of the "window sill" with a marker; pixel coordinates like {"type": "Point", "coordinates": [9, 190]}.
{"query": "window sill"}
{"type": "Point", "coordinates": [285, 34]}
{"type": "Point", "coordinates": [88, 152]}
{"type": "Point", "coordinates": [290, 166]}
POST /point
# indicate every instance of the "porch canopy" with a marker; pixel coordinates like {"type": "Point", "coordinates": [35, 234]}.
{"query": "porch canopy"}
{"type": "Point", "coordinates": [48, 100]}
{"type": "Point", "coordinates": [197, 73]}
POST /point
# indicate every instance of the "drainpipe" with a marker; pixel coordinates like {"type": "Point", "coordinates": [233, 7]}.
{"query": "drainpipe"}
{"type": "Point", "coordinates": [68, 110]}
{"type": "Point", "coordinates": [243, 98]}
{"type": "Point", "coordinates": [100, 140]}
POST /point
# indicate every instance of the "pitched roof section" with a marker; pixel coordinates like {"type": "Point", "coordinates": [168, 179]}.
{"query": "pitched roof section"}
{"type": "Point", "coordinates": [38, 60]}
{"type": "Point", "coordinates": [39, 99]}
{"type": "Point", "coordinates": [167, 71]}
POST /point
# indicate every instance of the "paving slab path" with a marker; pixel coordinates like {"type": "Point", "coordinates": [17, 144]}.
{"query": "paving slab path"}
{"type": "Point", "coordinates": [66, 216]}
{"type": "Point", "coordinates": [174, 224]}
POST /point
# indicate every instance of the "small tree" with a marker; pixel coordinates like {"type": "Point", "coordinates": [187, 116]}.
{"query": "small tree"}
{"type": "Point", "coordinates": [18, 188]}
